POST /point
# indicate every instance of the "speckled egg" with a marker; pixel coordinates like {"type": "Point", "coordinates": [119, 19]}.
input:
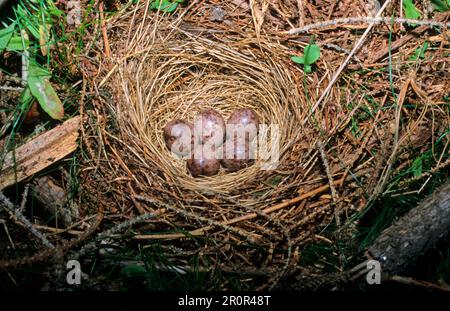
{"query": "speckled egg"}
{"type": "Point", "coordinates": [179, 137]}
{"type": "Point", "coordinates": [247, 119]}
{"type": "Point", "coordinates": [210, 127]}
{"type": "Point", "coordinates": [203, 163]}
{"type": "Point", "coordinates": [238, 157]}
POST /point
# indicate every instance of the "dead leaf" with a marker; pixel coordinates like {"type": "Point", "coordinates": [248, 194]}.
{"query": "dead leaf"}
{"type": "Point", "coordinates": [32, 115]}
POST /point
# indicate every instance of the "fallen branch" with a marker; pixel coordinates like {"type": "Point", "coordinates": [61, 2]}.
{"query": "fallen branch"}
{"type": "Point", "coordinates": [413, 234]}
{"type": "Point", "coordinates": [374, 20]}
{"type": "Point", "coordinates": [39, 153]}
{"type": "Point", "coordinates": [13, 210]}
{"type": "Point", "coordinates": [52, 252]}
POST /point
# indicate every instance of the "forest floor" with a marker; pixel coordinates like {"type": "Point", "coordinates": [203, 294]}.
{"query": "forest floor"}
{"type": "Point", "coordinates": [53, 55]}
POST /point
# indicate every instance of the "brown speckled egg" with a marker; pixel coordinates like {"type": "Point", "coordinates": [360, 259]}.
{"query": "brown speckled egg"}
{"type": "Point", "coordinates": [238, 157]}
{"type": "Point", "coordinates": [210, 127]}
{"type": "Point", "coordinates": [203, 163]}
{"type": "Point", "coordinates": [248, 119]}
{"type": "Point", "coordinates": [179, 137]}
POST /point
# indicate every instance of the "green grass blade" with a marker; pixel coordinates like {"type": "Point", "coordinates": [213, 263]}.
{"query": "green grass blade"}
{"type": "Point", "coordinates": [5, 36]}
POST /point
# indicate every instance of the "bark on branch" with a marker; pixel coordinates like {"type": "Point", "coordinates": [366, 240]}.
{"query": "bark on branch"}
{"type": "Point", "coordinates": [413, 234]}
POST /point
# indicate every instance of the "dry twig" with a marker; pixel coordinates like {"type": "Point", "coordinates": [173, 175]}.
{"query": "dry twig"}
{"type": "Point", "coordinates": [14, 211]}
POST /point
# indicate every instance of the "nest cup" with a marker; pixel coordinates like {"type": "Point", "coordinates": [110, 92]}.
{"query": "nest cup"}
{"type": "Point", "coordinates": [176, 77]}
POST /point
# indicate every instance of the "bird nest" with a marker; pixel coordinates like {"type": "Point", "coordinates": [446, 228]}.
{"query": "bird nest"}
{"type": "Point", "coordinates": [162, 69]}
{"type": "Point", "coordinates": [180, 76]}
{"type": "Point", "coordinates": [167, 72]}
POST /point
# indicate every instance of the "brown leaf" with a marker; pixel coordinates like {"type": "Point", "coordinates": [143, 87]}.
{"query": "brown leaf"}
{"type": "Point", "coordinates": [32, 115]}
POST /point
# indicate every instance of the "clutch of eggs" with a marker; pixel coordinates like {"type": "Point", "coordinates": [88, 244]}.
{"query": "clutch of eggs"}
{"type": "Point", "coordinates": [203, 142]}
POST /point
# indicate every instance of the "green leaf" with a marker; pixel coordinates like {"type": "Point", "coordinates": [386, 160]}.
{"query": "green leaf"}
{"type": "Point", "coordinates": [25, 100]}
{"type": "Point", "coordinates": [411, 11]}
{"type": "Point", "coordinates": [41, 88]}
{"type": "Point", "coordinates": [312, 54]}
{"type": "Point", "coordinates": [17, 44]}
{"type": "Point", "coordinates": [5, 36]}
{"type": "Point", "coordinates": [164, 5]}
{"type": "Point", "coordinates": [26, 97]}
{"type": "Point", "coordinates": [298, 60]}
{"type": "Point", "coordinates": [417, 167]}
{"type": "Point", "coordinates": [441, 5]}
{"type": "Point", "coordinates": [37, 71]}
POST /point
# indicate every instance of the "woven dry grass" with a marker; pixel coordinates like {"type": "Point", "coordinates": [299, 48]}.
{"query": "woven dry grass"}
{"type": "Point", "coordinates": [163, 68]}
{"type": "Point", "coordinates": [175, 79]}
